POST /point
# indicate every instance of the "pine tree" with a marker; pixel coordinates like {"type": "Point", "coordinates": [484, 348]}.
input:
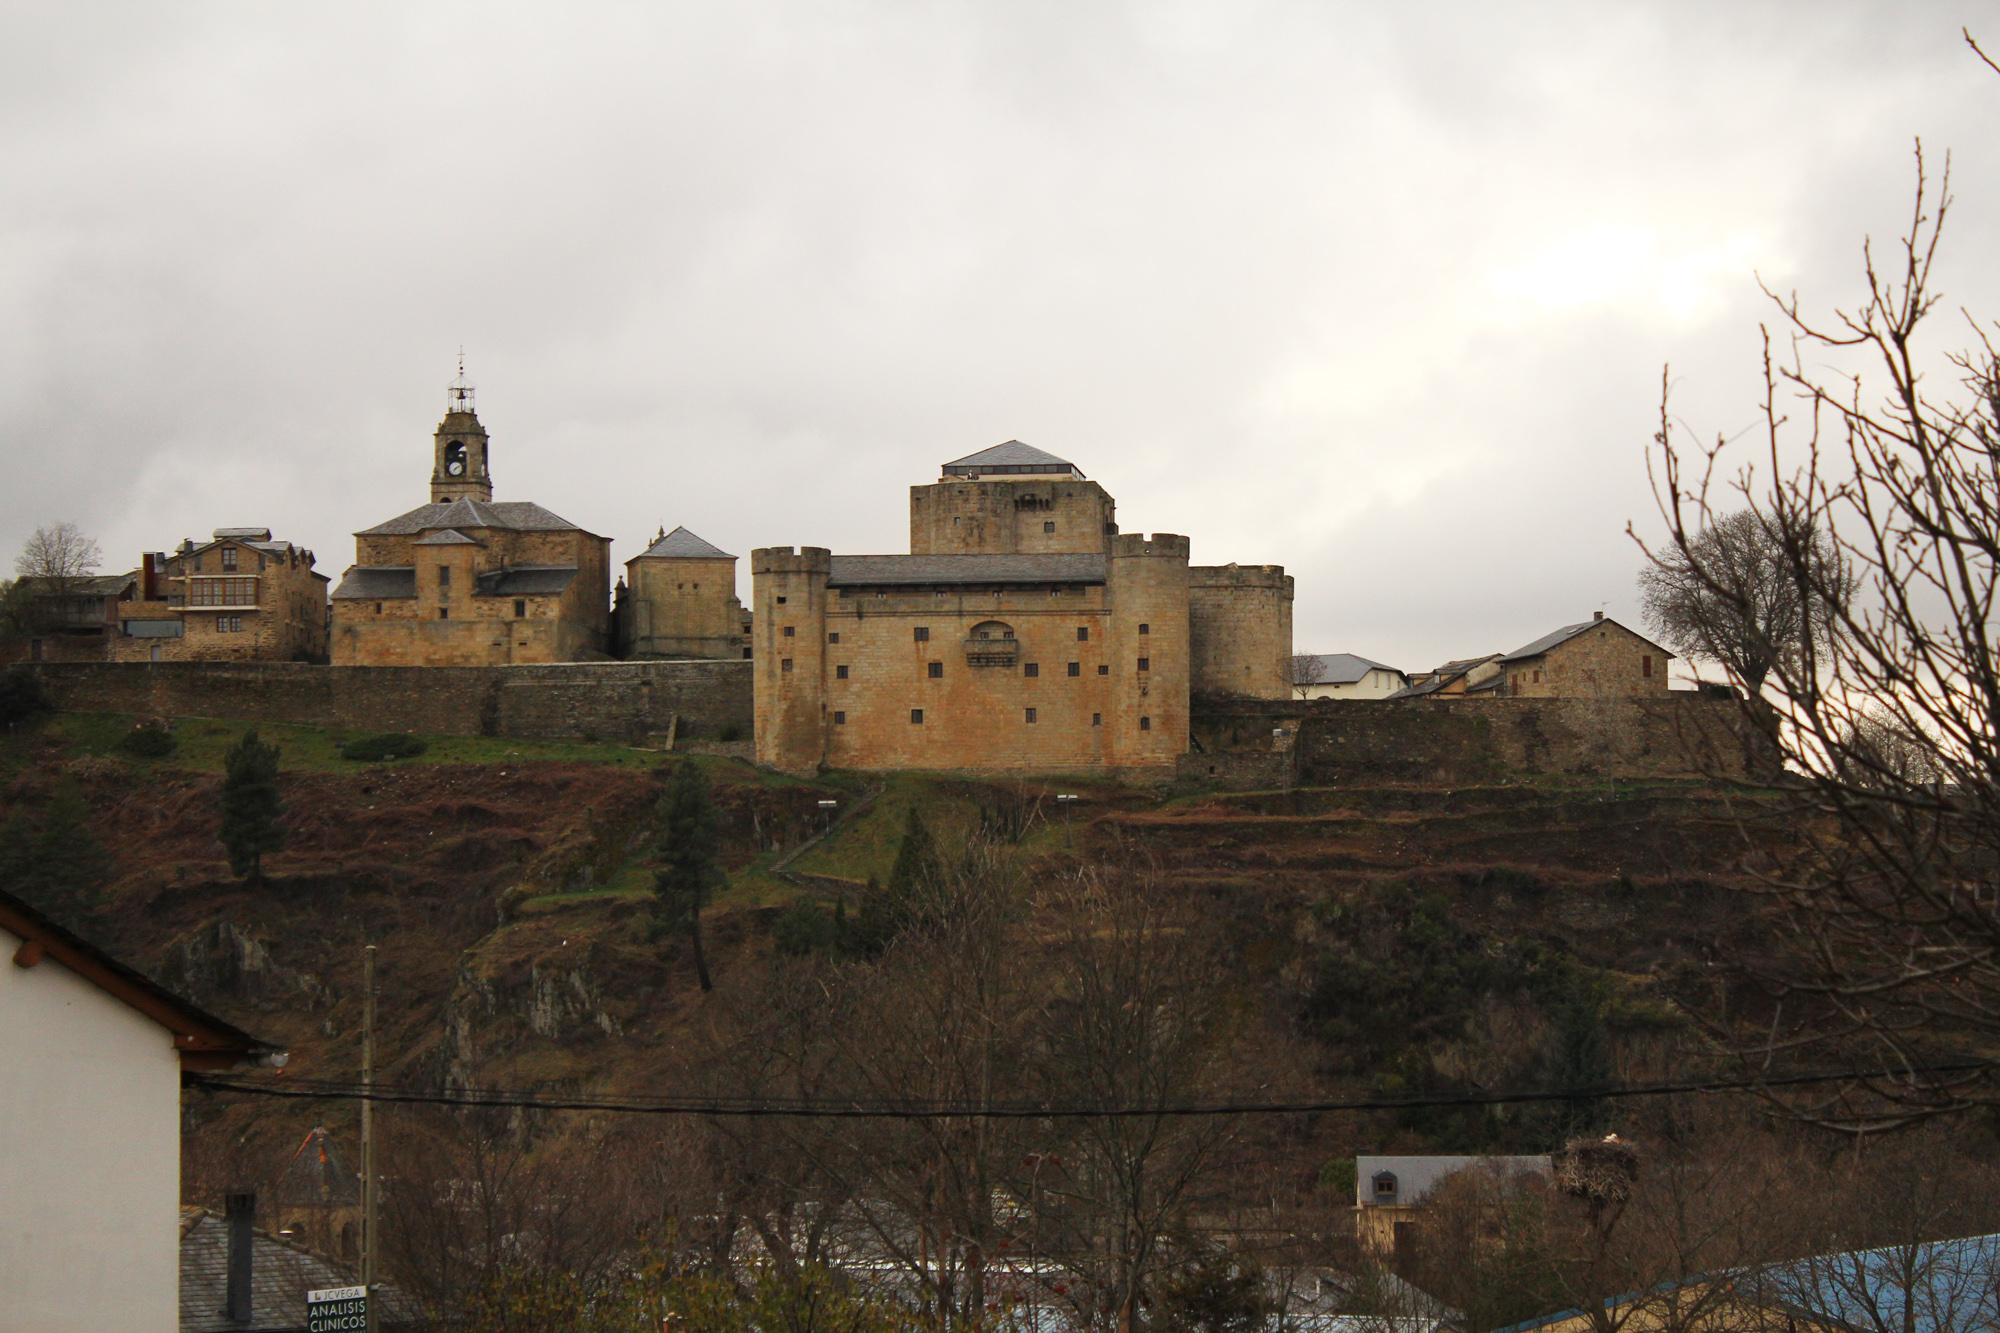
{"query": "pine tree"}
{"type": "Point", "coordinates": [690, 838]}
{"type": "Point", "coordinates": [251, 806]}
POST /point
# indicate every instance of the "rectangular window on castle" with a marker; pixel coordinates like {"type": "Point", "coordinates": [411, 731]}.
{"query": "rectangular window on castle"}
{"type": "Point", "coordinates": [923, 633]}
{"type": "Point", "coordinates": [520, 609]}
{"type": "Point", "coordinates": [1646, 666]}
{"type": "Point", "coordinates": [444, 576]}
{"type": "Point", "coordinates": [840, 673]}
{"type": "Point", "coordinates": [781, 601]}
{"type": "Point", "coordinates": [1103, 668]}
{"type": "Point", "coordinates": [1145, 664]}
{"type": "Point", "coordinates": [1145, 724]}
{"type": "Point", "coordinates": [1031, 715]}
{"type": "Point", "coordinates": [784, 664]}
{"type": "Point", "coordinates": [839, 718]}
{"type": "Point", "coordinates": [1145, 629]}
{"type": "Point", "coordinates": [1049, 527]}
{"type": "Point", "coordinates": [1032, 669]}
{"type": "Point", "coordinates": [1097, 719]}
{"type": "Point", "coordinates": [916, 717]}
{"type": "Point", "coordinates": [1083, 634]}
{"type": "Point", "coordinates": [444, 613]}
{"type": "Point", "coordinates": [833, 638]}
{"type": "Point", "coordinates": [789, 631]}
{"type": "Point", "coordinates": [937, 671]}
{"type": "Point", "coordinates": [1076, 668]}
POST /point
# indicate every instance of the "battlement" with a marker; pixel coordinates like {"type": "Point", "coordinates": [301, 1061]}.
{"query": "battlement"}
{"type": "Point", "coordinates": [1161, 545]}
{"type": "Point", "coordinates": [785, 560]}
{"type": "Point", "coordinates": [1240, 576]}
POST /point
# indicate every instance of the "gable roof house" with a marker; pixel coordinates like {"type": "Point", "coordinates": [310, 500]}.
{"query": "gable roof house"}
{"type": "Point", "coordinates": [90, 1129]}
{"type": "Point", "coordinates": [1344, 676]}
{"type": "Point", "coordinates": [678, 599]}
{"type": "Point", "coordinates": [1455, 680]}
{"type": "Point", "coordinates": [1592, 659]}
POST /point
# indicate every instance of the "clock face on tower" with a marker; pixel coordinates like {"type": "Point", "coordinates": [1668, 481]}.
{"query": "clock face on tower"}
{"type": "Point", "coordinates": [454, 460]}
{"type": "Point", "coordinates": [456, 467]}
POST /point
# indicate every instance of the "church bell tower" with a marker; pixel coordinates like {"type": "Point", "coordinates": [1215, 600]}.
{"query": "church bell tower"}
{"type": "Point", "coordinates": [459, 471]}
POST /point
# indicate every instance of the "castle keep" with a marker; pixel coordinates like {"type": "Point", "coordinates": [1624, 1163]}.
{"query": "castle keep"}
{"type": "Point", "coordinates": [1023, 633]}
{"type": "Point", "coordinates": [468, 581]}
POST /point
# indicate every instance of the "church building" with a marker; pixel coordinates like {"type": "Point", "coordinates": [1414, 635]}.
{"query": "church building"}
{"type": "Point", "coordinates": [1022, 634]}
{"type": "Point", "coordinates": [470, 581]}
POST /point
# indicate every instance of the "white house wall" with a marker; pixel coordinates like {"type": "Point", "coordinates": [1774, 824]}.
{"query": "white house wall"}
{"type": "Point", "coordinates": [89, 1157]}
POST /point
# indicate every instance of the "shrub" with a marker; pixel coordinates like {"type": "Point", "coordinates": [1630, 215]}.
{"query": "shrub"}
{"type": "Point", "coordinates": [147, 743]}
{"type": "Point", "coordinates": [20, 696]}
{"type": "Point", "coordinates": [390, 745]}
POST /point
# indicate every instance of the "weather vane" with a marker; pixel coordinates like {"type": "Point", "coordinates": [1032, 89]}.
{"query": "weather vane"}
{"type": "Point", "coordinates": [461, 388]}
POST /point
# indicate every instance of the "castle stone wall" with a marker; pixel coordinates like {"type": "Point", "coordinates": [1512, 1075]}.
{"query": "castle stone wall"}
{"type": "Point", "coordinates": [1476, 741]}
{"type": "Point", "coordinates": [608, 700]}
{"type": "Point", "coordinates": [1240, 630]}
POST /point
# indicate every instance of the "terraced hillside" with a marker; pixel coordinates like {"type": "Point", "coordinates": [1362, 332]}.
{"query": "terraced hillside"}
{"type": "Point", "coordinates": [1381, 937]}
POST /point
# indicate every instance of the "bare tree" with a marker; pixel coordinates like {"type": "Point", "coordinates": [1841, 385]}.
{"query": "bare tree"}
{"type": "Point", "coordinates": [1305, 669]}
{"type": "Point", "coordinates": [58, 559]}
{"type": "Point", "coordinates": [1890, 909]}
{"type": "Point", "coordinates": [1743, 609]}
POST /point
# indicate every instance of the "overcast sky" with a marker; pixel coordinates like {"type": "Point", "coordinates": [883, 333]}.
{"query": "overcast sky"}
{"type": "Point", "coordinates": [1377, 292]}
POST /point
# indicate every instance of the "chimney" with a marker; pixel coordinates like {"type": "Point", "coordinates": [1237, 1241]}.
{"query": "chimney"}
{"type": "Point", "coordinates": [149, 579]}
{"type": "Point", "coordinates": [239, 1214]}
{"type": "Point", "coordinates": [1597, 615]}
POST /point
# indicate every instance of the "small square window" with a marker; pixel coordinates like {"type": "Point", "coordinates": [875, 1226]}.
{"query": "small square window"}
{"type": "Point", "coordinates": [839, 718]}
{"type": "Point", "coordinates": [917, 717]}
{"type": "Point", "coordinates": [444, 613]}
{"type": "Point", "coordinates": [1103, 668]}
{"type": "Point", "coordinates": [840, 673]}
{"type": "Point", "coordinates": [1031, 715]}
{"type": "Point", "coordinates": [1032, 669]}
{"type": "Point", "coordinates": [1083, 634]}
{"type": "Point", "coordinates": [923, 633]}
{"type": "Point", "coordinates": [1049, 526]}
{"type": "Point", "coordinates": [1097, 719]}
{"type": "Point", "coordinates": [784, 664]}
{"type": "Point", "coordinates": [1076, 668]}
{"type": "Point", "coordinates": [833, 638]}
{"type": "Point", "coordinates": [1145, 629]}
{"type": "Point", "coordinates": [1145, 664]}
{"type": "Point", "coordinates": [937, 671]}
{"type": "Point", "coordinates": [781, 601]}
{"type": "Point", "coordinates": [1145, 724]}
{"type": "Point", "coordinates": [789, 631]}
{"type": "Point", "coordinates": [222, 624]}
{"type": "Point", "coordinates": [520, 608]}
{"type": "Point", "coordinates": [746, 654]}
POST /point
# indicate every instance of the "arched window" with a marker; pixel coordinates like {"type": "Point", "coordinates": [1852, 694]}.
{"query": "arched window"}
{"type": "Point", "coordinates": [992, 629]}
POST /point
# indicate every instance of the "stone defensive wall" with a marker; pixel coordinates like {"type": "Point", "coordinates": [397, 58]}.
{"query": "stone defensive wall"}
{"type": "Point", "coordinates": [696, 700]}
{"type": "Point", "coordinates": [1462, 742]}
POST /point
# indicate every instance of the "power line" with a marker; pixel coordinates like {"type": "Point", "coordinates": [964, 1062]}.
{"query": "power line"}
{"type": "Point", "coordinates": [917, 1109]}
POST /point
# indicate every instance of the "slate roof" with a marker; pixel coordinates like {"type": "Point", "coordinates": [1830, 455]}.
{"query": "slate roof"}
{"type": "Point", "coordinates": [1564, 635]}
{"type": "Point", "coordinates": [850, 571]}
{"type": "Point", "coordinates": [89, 585]}
{"type": "Point", "coordinates": [1344, 668]}
{"type": "Point", "coordinates": [525, 581]}
{"type": "Point", "coordinates": [373, 583]}
{"type": "Point", "coordinates": [1442, 676]}
{"type": "Point", "coordinates": [280, 1276]}
{"type": "Point", "coordinates": [1013, 456]}
{"type": "Point", "coordinates": [514, 515]}
{"type": "Point", "coordinates": [680, 544]}
{"type": "Point", "coordinates": [448, 537]}
{"type": "Point", "coordinates": [243, 534]}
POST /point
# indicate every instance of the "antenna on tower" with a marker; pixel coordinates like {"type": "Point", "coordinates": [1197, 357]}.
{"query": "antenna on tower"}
{"type": "Point", "coordinates": [461, 388]}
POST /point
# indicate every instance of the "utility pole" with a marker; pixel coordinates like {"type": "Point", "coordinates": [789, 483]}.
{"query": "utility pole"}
{"type": "Point", "coordinates": [369, 1240]}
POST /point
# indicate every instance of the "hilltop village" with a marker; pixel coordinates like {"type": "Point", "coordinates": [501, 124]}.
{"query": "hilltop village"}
{"type": "Point", "coordinates": [1023, 631]}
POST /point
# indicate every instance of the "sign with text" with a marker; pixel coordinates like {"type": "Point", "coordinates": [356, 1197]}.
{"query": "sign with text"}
{"type": "Point", "coordinates": [337, 1310]}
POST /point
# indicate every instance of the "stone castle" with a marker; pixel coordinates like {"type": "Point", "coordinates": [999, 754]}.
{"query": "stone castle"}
{"type": "Point", "coordinates": [1022, 633]}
